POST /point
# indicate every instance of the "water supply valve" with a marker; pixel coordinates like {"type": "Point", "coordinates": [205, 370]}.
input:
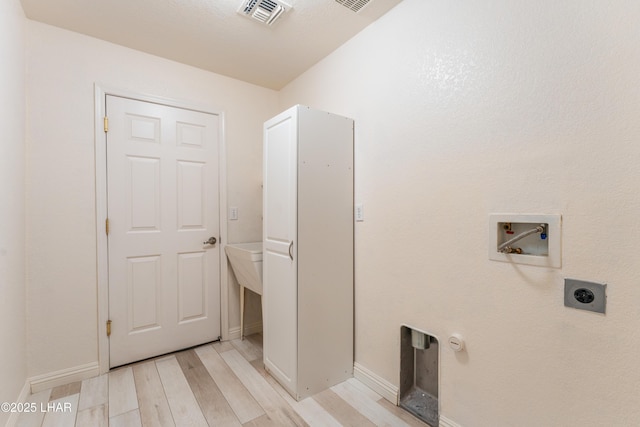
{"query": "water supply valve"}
{"type": "Point", "coordinates": [525, 239]}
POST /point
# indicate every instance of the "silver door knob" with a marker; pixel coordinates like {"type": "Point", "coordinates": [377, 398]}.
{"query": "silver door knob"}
{"type": "Point", "coordinates": [211, 241]}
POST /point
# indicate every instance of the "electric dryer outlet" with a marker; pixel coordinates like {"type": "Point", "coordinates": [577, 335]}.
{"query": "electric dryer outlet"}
{"type": "Point", "coordinates": [585, 295]}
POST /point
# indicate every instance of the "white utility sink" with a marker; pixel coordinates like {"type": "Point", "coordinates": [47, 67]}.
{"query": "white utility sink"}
{"type": "Point", "coordinates": [246, 262]}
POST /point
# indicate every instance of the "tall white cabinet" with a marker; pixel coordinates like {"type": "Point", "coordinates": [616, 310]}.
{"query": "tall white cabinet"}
{"type": "Point", "coordinates": [308, 250]}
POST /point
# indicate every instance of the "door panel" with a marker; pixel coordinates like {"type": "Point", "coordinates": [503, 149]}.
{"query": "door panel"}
{"type": "Point", "coordinates": [192, 286]}
{"type": "Point", "coordinates": [282, 316]}
{"type": "Point", "coordinates": [141, 128]}
{"type": "Point", "coordinates": [143, 194]}
{"type": "Point", "coordinates": [279, 252]}
{"type": "Point", "coordinates": [191, 195]}
{"type": "Point", "coordinates": [162, 187]}
{"type": "Point", "coordinates": [191, 135]}
{"type": "Point", "coordinates": [279, 176]}
{"type": "Point", "coordinates": [143, 284]}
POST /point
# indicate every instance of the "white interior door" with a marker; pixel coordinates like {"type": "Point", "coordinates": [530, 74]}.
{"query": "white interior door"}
{"type": "Point", "coordinates": [162, 187]}
{"type": "Point", "coordinates": [279, 258]}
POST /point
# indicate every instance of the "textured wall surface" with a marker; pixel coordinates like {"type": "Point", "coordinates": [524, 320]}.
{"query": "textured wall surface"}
{"type": "Point", "coordinates": [468, 108]}
{"type": "Point", "coordinates": [13, 367]}
{"type": "Point", "coordinates": [62, 69]}
{"type": "Point", "coordinates": [462, 109]}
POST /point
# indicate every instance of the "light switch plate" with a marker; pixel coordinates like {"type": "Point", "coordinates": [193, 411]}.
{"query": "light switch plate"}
{"type": "Point", "coordinates": [585, 295]}
{"type": "Point", "coordinates": [233, 214]}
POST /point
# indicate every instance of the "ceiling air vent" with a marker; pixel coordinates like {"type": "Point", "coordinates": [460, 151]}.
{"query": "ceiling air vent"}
{"type": "Point", "coordinates": [265, 11]}
{"type": "Point", "coordinates": [355, 5]}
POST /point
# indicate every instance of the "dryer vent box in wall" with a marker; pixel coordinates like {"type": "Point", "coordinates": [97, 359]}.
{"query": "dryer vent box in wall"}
{"type": "Point", "coordinates": [532, 239]}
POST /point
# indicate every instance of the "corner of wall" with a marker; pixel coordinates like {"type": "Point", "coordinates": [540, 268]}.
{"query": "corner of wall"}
{"type": "Point", "coordinates": [13, 368]}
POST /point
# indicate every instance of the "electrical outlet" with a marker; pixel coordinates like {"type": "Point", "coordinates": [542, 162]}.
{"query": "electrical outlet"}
{"type": "Point", "coordinates": [585, 295]}
{"type": "Point", "coordinates": [359, 212]}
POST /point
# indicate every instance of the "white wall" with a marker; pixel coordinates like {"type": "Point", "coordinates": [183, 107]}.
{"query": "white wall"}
{"type": "Point", "coordinates": [13, 367]}
{"type": "Point", "coordinates": [62, 69]}
{"type": "Point", "coordinates": [467, 108]}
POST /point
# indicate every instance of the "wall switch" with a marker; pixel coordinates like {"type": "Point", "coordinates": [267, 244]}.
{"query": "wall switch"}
{"type": "Point", "coordinates": [233, 214]}
{"type": "Point", "coordinates": [359, 212]}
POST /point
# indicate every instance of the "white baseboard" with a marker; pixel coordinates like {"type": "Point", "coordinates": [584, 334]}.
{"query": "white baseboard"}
{"type": "Point", "coordinates": [253, 328]}
{"type": "Point", "coordinates": [446, 422]}
{"type": "Point", "coordinates": [22, 397]}
{"type": "Point", "coordinates": [376, 383]}
{"type": "Point", "coordinates": [387, 390]}
{"type": "Point", "coordinates": [64, 376]}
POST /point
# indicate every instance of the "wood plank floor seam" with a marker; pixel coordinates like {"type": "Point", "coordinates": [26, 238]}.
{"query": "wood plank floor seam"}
{"type": "Point", "coordinates": [217, 384]}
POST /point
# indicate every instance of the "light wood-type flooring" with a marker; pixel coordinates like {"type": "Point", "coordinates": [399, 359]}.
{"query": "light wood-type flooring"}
{"type": "Point", "coordinates": [218, 384]}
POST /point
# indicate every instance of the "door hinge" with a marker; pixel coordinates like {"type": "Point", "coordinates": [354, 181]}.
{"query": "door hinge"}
{"type": "Point", "coordinates": [108, 328]}
{"type": "Point", "coordinates": [106, 124]}
{"type": "Point", "coordinates": [106, 226]}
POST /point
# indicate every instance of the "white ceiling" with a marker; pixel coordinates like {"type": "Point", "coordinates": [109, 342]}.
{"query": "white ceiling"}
{"type": "Point", "coordinates": [210, 34]}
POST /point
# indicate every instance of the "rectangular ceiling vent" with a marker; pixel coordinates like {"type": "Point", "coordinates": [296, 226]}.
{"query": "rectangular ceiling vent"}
{"type": "Point", "coordinates": [265, 11]}
{"type": "Point", "coordinates": [355, 5]}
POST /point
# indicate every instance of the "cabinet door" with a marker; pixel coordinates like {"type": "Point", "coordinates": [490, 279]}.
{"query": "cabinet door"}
{"type": "Point", "coordinates": [279, 252]}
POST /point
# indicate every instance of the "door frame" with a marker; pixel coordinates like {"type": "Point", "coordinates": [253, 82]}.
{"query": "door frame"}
{"type": "Point", "coordinates": [100, 93]}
